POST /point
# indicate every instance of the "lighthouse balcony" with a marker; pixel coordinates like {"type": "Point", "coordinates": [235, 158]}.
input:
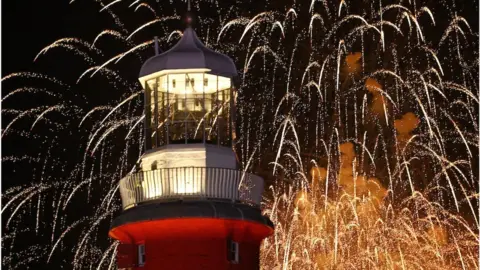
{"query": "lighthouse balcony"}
{"type": "Point", "coordinates": [191, 183]}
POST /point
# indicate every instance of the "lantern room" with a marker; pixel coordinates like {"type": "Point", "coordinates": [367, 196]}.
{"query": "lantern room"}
{"type": "Point", "coordinates": [189, 95]}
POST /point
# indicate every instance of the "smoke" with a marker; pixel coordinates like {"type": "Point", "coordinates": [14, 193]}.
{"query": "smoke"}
{"type": "Point", "coordinates": [373, 86]}
{"type": "Point", "coordinates": [379, 105]}
{"type": "Point", "coordinates": [348, 180]}
{"type": "Point", "coordinates": [352, 64]}
{"type": "Point", "coordinates": [404, 127]}
{"type": "Point", "coordinates": [406, 124]}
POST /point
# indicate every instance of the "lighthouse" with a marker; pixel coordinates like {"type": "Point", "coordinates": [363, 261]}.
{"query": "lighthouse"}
{"type": "Point", "coordinates": [188, 205]}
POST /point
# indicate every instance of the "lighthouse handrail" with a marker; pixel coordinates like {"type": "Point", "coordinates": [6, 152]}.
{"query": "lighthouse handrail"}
{"type": "Point", "coordinates": [191, 183]}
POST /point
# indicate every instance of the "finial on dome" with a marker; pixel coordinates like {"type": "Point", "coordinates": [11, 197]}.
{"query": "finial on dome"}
{"type": "Point", "coordinates": [189, 53]}
{"type": "Point", "coordinates": [189, 16]}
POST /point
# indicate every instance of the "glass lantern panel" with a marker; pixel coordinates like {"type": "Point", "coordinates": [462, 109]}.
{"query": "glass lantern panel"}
{"type": "Point", "coordinates": [194, 107]}
{"type": "Point", "coordinates": [162, 105]}
{"type": "Point", "coordinates": [150, 112]}
{"type": "Point", "coordinates": [188, 108]}
{"type": "Point", "coordinates": [223, 114]}
{"type": "Point", "coordinates": [210, 86]}
{"type": "Point", "coordinates": [177, 105]}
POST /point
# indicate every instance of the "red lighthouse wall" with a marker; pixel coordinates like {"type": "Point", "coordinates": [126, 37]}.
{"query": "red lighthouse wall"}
{"type": "Point", "coordinates": [197, 254]}
{"type": "Point", "coordinates": [190, 243]}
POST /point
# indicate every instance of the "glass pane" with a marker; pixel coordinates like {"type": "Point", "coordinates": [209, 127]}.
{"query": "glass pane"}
{"type": "Point", "coordinates": [148, 117]}
{"type": "Point", "coordinates": [210, 83]}
{"type": "Point", "coordinates": [161, 128]}
{"type": "Point", "coordinates": [211, 108]}
{"type": "Point", "coordinates": [224, 117]}
{"type": "Point", "coordinates": [223, 83]}
{"type": "Point", "coordinates": [151, 113]}
{"type": "Point", "coordinates": [195, 106]}
{"type": "Point", "coordinates": [177, 112]}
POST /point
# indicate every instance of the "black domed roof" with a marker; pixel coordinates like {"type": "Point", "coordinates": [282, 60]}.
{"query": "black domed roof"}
{"type": "Point", "coordinates": [190, 53]}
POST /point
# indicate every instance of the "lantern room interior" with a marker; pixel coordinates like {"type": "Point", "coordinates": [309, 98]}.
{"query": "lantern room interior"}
{"type": "Point", "coordinates": [188, 106]}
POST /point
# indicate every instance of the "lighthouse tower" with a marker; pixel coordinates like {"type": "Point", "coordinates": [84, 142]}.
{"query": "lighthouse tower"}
{"type": "Point", "coordinates": [188, 206]}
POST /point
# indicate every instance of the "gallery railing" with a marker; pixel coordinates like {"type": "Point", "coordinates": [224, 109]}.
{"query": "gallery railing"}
{"type": "Point", "coordinates": [191, 183]}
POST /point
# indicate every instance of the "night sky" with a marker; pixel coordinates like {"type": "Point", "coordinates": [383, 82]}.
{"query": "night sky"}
{"type": "Point", "coordinates": [28, 26]}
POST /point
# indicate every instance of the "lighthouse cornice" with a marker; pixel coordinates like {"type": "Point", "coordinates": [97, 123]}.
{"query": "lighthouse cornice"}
{"type": "Point", "coordinates": [185, 209]}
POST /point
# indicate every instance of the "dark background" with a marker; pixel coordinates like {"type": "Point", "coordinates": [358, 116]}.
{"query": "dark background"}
{"type": "Point", "coordinates": [28, 26]}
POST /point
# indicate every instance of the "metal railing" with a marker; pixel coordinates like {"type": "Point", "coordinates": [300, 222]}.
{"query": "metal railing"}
{"type": "Point", "coordinates": [191, 183]}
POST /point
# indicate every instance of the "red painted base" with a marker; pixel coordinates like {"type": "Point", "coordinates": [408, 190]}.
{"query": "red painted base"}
{"type": "Point", "coordinates": [190, 243]}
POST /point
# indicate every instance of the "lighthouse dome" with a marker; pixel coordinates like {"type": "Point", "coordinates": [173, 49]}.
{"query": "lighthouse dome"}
{"type": "Point", "coordinates": [190, 53]}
